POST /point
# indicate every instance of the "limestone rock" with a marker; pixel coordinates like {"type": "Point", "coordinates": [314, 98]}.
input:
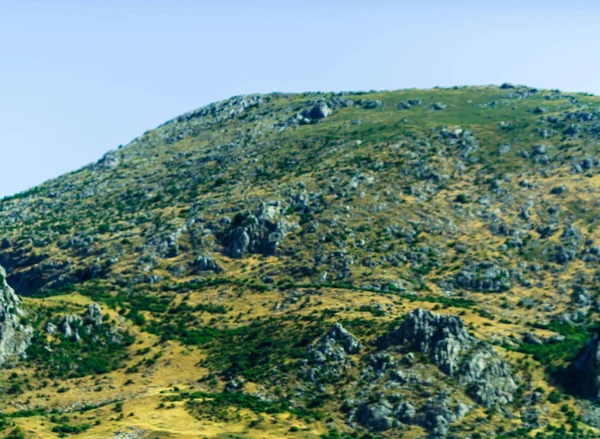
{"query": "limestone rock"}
{"type": "Point", "coordinates": [375, 417]}
{"type": "Point", "coordinates": [484, 276]}
{"type": "Point", "coordinates": [259, 233]}
{"type": "Point", "coordinates": [206, 263]}
{"type": "Point", "coordinates": [441, 337]}
{"type": "Point", "coordinates": [15, 337]}
{"type": "Point", "coordinates": [330, 355]}
{"type": "Point", "coordinates": [475, 364]}
{"type": "Point", "coordinates": [94, 314]}
{"type": "Point", "coordinates": [318, 111]}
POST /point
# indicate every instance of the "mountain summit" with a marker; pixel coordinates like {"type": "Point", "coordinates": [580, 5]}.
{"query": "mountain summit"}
{"type": "Point", "coordinates": [413, 263]}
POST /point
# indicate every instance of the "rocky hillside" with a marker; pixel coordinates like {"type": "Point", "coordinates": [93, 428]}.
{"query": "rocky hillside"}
{"type": "Point", "coordinates": [415, 263]}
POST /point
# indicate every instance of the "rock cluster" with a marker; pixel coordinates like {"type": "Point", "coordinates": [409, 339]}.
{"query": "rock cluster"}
{"type": "Point", "coordinates": [260, 233]}
{"type": "Point", "coordinates": [475, 364]}
{"type": "Point", "coordinates": [71, 323]}
{"type": "Point", "coordinates": [435, 415]}
{"type": "Point", "coordinates": [484, 276]}
{"type": "Point", "coordinates": [329, 358]}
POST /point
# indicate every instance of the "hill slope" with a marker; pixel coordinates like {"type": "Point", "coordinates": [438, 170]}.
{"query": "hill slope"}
{"type": "Point", "coordinates": [416, 262]}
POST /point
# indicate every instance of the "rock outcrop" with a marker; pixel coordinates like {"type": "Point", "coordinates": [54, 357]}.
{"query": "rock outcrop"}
{"type": "Point", "coordinates": [330, 355]}
{"type": "Point", "coordinates": [15, 337]}
{"type": "Point", "coordinates": [475, 364]}
{"type": "Point", "coordinates": [206, 263]}
{"type": "Point", "coordinates": [259, 233]}
{"type": "Point", "coordinates": [484, 276]}
{"type": "Point", "coordinates": [435, 415]}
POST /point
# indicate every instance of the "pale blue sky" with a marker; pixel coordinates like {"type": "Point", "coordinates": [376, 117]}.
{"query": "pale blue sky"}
{"type": "Point", "coordinates": [78, 78]}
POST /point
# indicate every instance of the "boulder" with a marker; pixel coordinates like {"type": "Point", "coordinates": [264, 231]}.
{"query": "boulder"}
{"type": "Point", "coordinates": [531, 418]}
{"type": "Point", "coordinates": [438, 413]}
{"type": "Point", "coordinates": [441, 337]}
{"type": "Point", "coordinates": [375, 417]}
{"type": "Point", "coordinates": [206, 263]}
{"type": "Point", "coordinates": [320, 110]}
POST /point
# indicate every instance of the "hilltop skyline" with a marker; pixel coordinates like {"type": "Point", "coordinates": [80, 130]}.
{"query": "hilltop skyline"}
{"type": "Point", "coordinates": [78, 80]}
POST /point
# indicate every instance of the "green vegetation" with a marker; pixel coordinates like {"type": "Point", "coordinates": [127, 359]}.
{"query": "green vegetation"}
{"type": "Point", "coordinates": [224, 243]}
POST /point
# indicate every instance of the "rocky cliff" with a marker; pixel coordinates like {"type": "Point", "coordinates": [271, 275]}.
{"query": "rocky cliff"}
{"type": "Point", "coordinates": [15, 334]}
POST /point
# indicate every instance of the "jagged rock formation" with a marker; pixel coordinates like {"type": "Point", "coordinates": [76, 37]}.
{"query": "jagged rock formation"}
{"type": "Point", "coordinates": [257, 233]}
{"type": "Point", "coordinates": [330, 355]}
{"type": "Point", "coordinates": [71, 324]}
{"type": "Point", "coordinates": [15, 336]}
{"type": "Point", "coordinates": [69, 327]}
{"type": "Point", "coordinates": [475, 364]}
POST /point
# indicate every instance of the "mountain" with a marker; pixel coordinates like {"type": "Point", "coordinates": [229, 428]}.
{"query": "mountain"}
{"type": "Point", "coordinates": [413, 263]}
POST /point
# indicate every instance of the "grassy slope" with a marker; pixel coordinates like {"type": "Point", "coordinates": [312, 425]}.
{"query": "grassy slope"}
{"type": "Point", "coordinates": [234, 165]}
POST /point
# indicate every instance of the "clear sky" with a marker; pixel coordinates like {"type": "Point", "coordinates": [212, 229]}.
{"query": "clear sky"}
{"type": "Point", "coordinates": [78, 78]}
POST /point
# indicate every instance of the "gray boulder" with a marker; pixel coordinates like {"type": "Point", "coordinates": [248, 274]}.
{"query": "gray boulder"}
{"type": "Point", "coordinates": [581, 296]}
{"type": "Point", "coordinates": [487, 378]}
{"type": "Point", "coordinates": [405, 412]}
{"type": "Point", "coordinates": [375, 417]}
{"type": "Point", "coordinates": [531, 418]}
{"type": "Point", "coordinates": [530, 338]}
{"type": "Point", "coordinates": [50, 328]}
{"type": "Point", "coordinates": [441, 337]}
{"type": "Point", "coordinates": [318, 111]}
{"type": "Point", "coordinates": [437, 414]}
{"type": "Point", "coordinates": [70, 325]}
{"type": "Point", "coordinates": [110, 160]}
{"type": "Point", "coordinates": [370, 104]}
{"type": "Point", "coordinates": [94, 314]}
{"type": "Point", "coordinates": [206, 263]}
